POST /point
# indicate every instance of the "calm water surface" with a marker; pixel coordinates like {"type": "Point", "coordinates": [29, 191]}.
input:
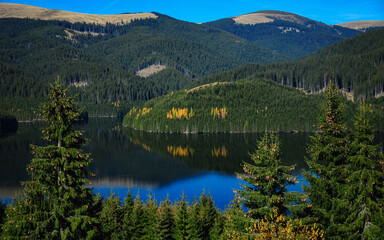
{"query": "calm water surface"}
{"type": "Point", "coordinates": [164, 164]}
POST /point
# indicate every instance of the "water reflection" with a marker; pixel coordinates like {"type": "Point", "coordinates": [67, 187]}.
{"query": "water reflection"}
{"type": "Point", "coordinates": [165, 163]}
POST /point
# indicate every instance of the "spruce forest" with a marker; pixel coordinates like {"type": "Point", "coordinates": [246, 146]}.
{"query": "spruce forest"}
{"type": "Point", "coordinates": [160, 75]}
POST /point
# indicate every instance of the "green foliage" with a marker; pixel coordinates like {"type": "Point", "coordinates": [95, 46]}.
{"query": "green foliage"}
{"type": "Point", "coordinates": [56, 203]}
{"type": "Point", "coordinates": [244, 106]}
{"type": "Point", "coordinates": [2, 215]}
{"type": "Point", "coordinates": [328, 155]}
{"type": "Point", "coordinates": [364, 191]}
{"type": "Point", "coordinates": [99, 62]}
{"type": "Point", "coordinates": [166, 221]}
{"type": "Point", "coordinates": [291, 38]}
{"type": "Point", "coordinates": [357, 64]}
{"type": "Point", "coordinates": [266, 180]}
{"type": "Point", "coordinates": [236, 220]}
{"type": "Point", "coordinates": [181, 219]}
{"type": "Point", "coordinates": [111, 218]}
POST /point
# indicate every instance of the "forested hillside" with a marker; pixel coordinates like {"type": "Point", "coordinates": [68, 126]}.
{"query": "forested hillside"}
{"type": "Point", "coordinates": [100, 61]}
{"type": "Point", "coordinates": [357, 65]}
{"type": "Point", "coordinates": [286, 33]}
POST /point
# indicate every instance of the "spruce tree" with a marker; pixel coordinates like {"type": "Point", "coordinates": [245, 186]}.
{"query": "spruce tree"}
{"type": "Point", "coordinates": [166, 221]}
{"type": "Point", "coordinates": [328, 154]}
{"type": "Point", "coordinates": [236, 221]}
{"type": "Point", "coordinates": [266, 181]}
{"type": "Point", "coordinates": [56, 205]}
{"type": "Point", "coordinates": [111, 218]}
{"type": "Point", "coordinates": [129, 204]}
{"type": "Point", "coordinates": [2, 215]}
{"type": "Point", "coordinates": [181, 220]}
{"type": "Point", "coordinates": [151, 213]}
{"type": "Point", "coordinates": [138, 219]}
{"type": "Point", "coordinates": [364, 188]}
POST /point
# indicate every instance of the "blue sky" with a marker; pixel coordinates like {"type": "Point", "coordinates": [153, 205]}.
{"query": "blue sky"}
{"type": "Point", "coordinates": [326, 11]}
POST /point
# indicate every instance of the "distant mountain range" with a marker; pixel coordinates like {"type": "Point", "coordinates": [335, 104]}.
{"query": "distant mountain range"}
{"type": "Point", "coordinates": [103, 57]}
{"type": "Point", "coordinates": [287, 33]}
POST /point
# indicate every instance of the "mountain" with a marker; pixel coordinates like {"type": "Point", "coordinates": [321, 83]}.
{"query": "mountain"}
{"type": "Point", "coordinates": [11, 10]}
{"type": "Point", "coordinates": [99, 60]}
{"type": "Point", "coordinates": [363, 25]}
{"type": "Point", "coordinates": [357, 65]}
{"type": "Point", "coordinates": [286, 33]}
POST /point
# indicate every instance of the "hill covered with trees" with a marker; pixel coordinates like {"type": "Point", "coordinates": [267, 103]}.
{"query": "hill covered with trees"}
{"type": "Point", "coordinates": [357, 64]}
{"type": "Point", "coordinates": [99, 62]}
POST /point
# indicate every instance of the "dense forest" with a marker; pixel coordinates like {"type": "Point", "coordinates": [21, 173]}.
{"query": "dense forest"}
{"type": "Point", "coordinates": [100, 62]}
{"type": "Point", "coordinates": [288, 34]}
{"type": "Point", "coordinates": [357, 64]}
{"type": "Point", "coordinates": [252, 105]}
{"type": "Point", "coordinates": [344, 197]}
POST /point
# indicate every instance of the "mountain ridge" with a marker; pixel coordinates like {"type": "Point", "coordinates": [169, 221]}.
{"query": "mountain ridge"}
{"type": "Point", "coordinates": [12, 10]}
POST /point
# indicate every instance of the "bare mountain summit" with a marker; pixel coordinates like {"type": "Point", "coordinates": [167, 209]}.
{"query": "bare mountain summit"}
{"type": "Point", "coordinates": [362, 25]}
{"type": "Point", "coordinates": [10, 10]}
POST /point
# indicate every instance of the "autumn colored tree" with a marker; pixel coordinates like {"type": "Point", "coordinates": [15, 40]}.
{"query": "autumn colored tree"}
{"type": "Point", "coordinates": [56, 204]}
{"type": "Point", "coordinates": [266, 180]}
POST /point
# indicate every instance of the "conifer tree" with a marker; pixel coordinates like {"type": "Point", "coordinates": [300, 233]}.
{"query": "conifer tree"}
{"type": "Point", "coordinates": [129, 204]}
{"type": "Point", "coordinates": [236, 221]}
{"type": "Point", "coordinates": [56, 204]}
{"type": "Point", "coordinates": [181, 220]}
{"type": "Point", "coordinates": [265, 189]}
{"type": "Point", "coordinates": [328, 153]}
{"type": "Point", "coordinates": [194, 226]}
{"type": "Point", "coordinates": [138, 219]}
{"type": "Point", "coordinates": [151, 213]}
{"type": "Point", "coordinates": [208, 214]}
{"type": "Point", "coordinates": [166, 221]}
{"type": "Point", "coordinates": [111, 218]}
{"type": "Point", "coordinates": [364, 188]}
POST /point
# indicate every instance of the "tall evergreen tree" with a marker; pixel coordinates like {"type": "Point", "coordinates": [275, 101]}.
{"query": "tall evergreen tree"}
{"type": "Point", "coordinates": [151, 212]}
{"type": "Point", "coordinates": [236, 221]}
{"type": "Point", "coordinates": [181, 220]}
{"type": "Point", "coordinates": [56, 204]}
{"type": "Point", "coordinates": [138, 219]}
{"type": "Point", "coordinates": [129, 204]}
{"type": "Point", "coordinates": [328, 154]}
{"type": "Point", "coordinates": [166, 221]}
{"type": "Point", "coordinates": [364, 189]}
{"type": "Point", "coordinates": [266, 181]}
{"type": "Point", "coordinates": [111, 218]}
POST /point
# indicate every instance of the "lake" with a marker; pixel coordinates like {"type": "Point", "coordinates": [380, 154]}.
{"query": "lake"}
{"type": "Point", "coordinates": [164, 164]}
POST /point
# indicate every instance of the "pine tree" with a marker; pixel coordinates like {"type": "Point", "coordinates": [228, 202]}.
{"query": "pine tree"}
{"type": "Point", "coordinates": [328, 153]}
{"type": "Point", "coordinates": [364, 189]}
{"type": "Point", "coordinates": [111, 218]}
{"type": "Point", "coordinates": [129, 204]}
{"type": "Point", "coordinates": [181, 220]}
{"type": "Point", "coordinates": [151, 213]}
{"type": "Point", "coordinates": [138, 219]}
{"type": "Point", "coordinates": [56, 203]}
{"type": "Point", "coordinates": [266, 181]}
{"type": "Point", "coordinates": [208, 214]}
{"type": "Point", "coordinates": [166, 221]}
{"type": "Point", "coordinates": [236, 221]}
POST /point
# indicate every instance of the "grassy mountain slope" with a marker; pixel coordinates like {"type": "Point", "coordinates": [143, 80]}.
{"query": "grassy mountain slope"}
{"type": "Point", "coordinates": [286, 33]}
{"type": "Point", "coordinates": [357, 64]}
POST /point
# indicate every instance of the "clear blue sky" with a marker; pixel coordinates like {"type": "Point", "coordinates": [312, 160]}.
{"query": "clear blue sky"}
{"type": "Point", "coordinates": [326, 11]}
